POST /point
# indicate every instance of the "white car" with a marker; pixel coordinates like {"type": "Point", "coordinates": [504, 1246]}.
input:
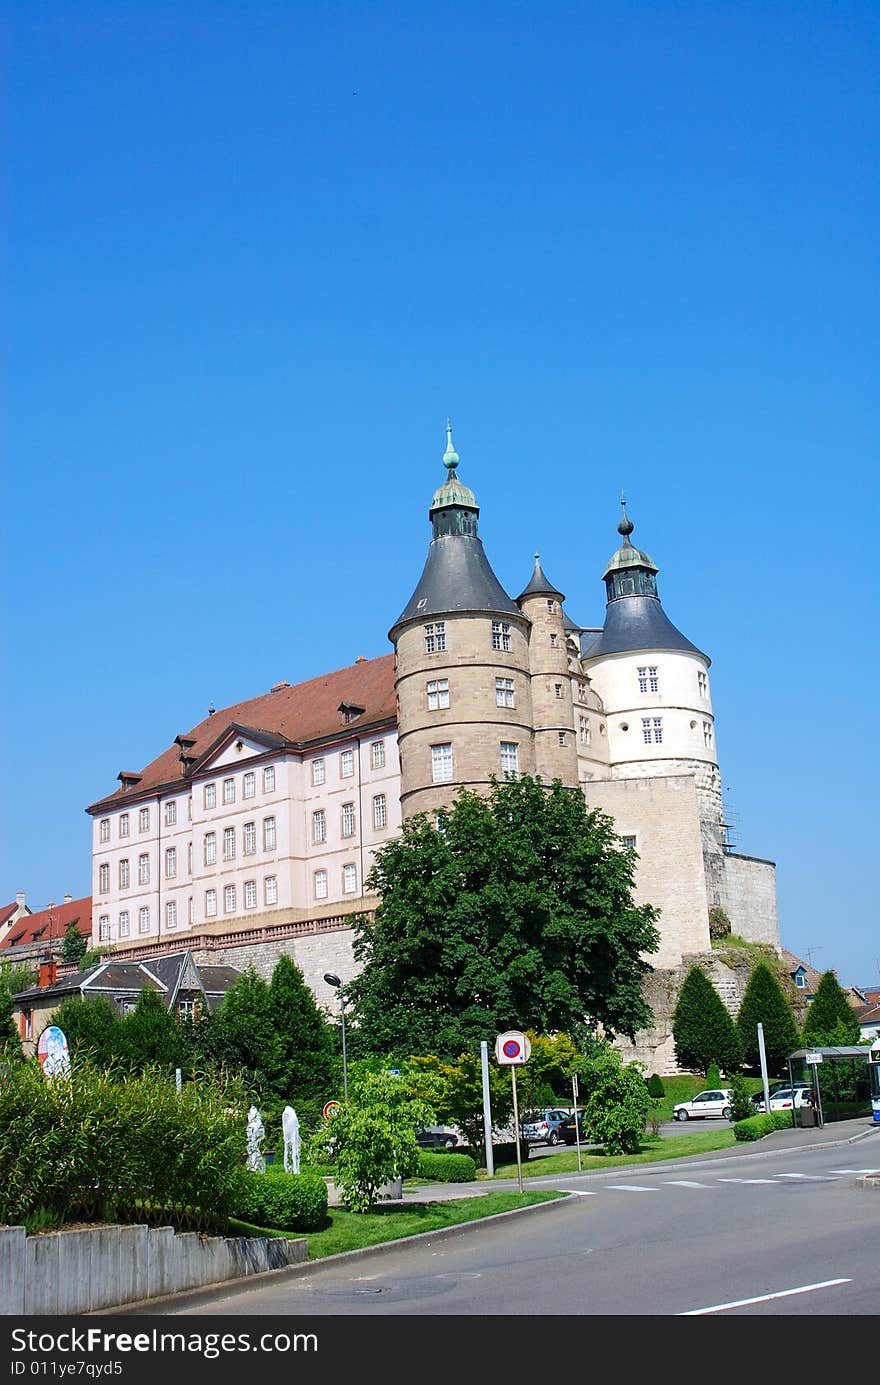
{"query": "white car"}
{"type": "Point", "coordinates": [786, 1097]}
{"type": "Point", "coordinates": [715, 1102]}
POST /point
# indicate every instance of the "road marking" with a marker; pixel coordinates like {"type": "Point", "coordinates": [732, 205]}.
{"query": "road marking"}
{"type": "Point", "coordinates": [684, 1183]}
{"type": "Point", "coordinates": [746, 1180]}
{"type": "Point", "coordinates": [630, 1188]}
{"type": "Point", "coordinates": [854, 1170]}
{"type": "Point", "coordinates": [762, 1298]}
{"type": "Point", "coordinates": [805, 1177]}
{"type": "Point", "coordinates": [578, 1192]}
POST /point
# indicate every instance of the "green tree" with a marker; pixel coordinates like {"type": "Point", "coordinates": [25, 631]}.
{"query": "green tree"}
{"type": "Point", "coordinates": [618, 1106]}
{"type": "Point", "coordinates": [74, 946]}
{"type": "Point", "coordinates": [242, 1034]}
{"type": "Point", "coordinates": [150, 1034]}
{"type": "Point", "coordinates": [655, 1086]}
{"type": "Point", "coordinates": [831, 1020]}
{"type": "Point", "coordinates": [457, 1096]}
{"type": "Point", "coordinates": [740, 1103]}
{"type": "Point", "coordinates": [10, 1041]}
{"type": "Point", "coordinates": [305, 1049]}
{"type": "Point", "coordinates": [702, 1027]}
{"type": "Point", "coordinates": [92, 1028]}
{"type": "Point", "coordinates": [516, 911]}
{"type": "Point", "coordinates": [764, 1002]}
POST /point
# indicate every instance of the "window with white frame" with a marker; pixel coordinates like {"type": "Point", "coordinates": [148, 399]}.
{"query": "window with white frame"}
{"type": "Point", "coordinates": [438, 693]}
{"type": "Point", "coordinates": [229, 843]}
{"type": "Point", "coordinates": [187, 1008]}
{"type": "Point", "coordinates": [629, 842]}
{"type": "Point", "coordinates": [268, 834]}
{"type": "Point", "coordinates": [553, 641]}
{"type": "Point", "coordinates": [377, 754]}
{"type": "Point", "coordinates": [104, 928]}
{"type": "Point", "coordinates": [269, 779]}
{"type": "Point", "coordinates": [702, 683]}
{"type": "Point", "coordinates": [441, 763]}
{"type": "Point", "coordinates": [320, 880]}
{"type": "Point", "coordinates": [171, 913]}
{"type": "Point", "coordinates": [124, 873]}
{"type": "Point", "coordinates": [319, 770]}
{"type": "Point", "coordinates": [349, 879]}
{"type": "Point", "coordinates": [124, 923]}
{"type": "Point", "coordinates": [652, 729]}
{"type": "Point", "coordinates": [229, 899]}
{"type": "Point", "coordinates": [170, 862]}
{"type": "Point", "coordinates": [557, 689]}
{"type": "Point", "coordinates": [144, 919]}
{"type": "Point", "coordinates": [228, 790]}
{"type": "Point", "coordinates": [250, 838]}
{"type": "Point", "coordinates": [144, 820]}
{"type": "Point", "coordinates": [500, 634]}
{"type": "Point", "coordinates": [104, 833]}
{"type": "Point", "coordinates": [348, 819]}
{"type": "Point", "coordinates": [270, 889]}
{"type": "Point", "coordinates": [380, 811]}
{"type": "Point", "coordinates": [648, 680]}
{"type": "Point", "coordinates": [210, 904]}
{"type": "Point", "coordinates": [800, 980]}
{"type": "Point", "coordinates": [563, 739]}
{"type": "Point", "coordinates": [584, 730]}
{"type": "Point", "coordinates": [210, 848]}
{"type": "Point", "coordinates": [249, 785]}
{"type": "Point", "coordinates": [319, 826]}
{"type": "Point", "coordinates": [346, 764]}
{"type": "Point", "coordinates": [144, 869]}
{"type": "Point", "coordinates": [504, 692]}
{"type": "Point", "coordinates": [250, 894]}
{"type": "Point", "coordinates": [509, 757]}
{"type": "Point", "coordinates": [171, 812]}
{"type": "Point", "coordinates": [210, 795]}
{"type": "Point", "coordinates": [435, 637]}
{"type": "Point", "coordinates": [707, 734]}
{"type": "Point", "coordinates": [124, 823]}
{"type": "Point", "coordinates": [582, 692]}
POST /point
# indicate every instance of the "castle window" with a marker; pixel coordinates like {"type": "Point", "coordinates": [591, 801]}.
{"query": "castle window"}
{"type": "Point", "coordinates": [270, 889]}
{"type": "Point", "coordinates": [348, 819]}
{"type": "Point", "coordinates": [123, 824]}
{"type": "Point", "coordinates": [210, 904]}
{"type": "Point", "coordinates": [435, 637]}
{"type": "Point", "coordinates": [124, 876]}
{"type": "Point", "coordinates": [124, 925]}
{"type": "Point", "coordinates": [320, 884]}
{"type": "Point", "coordinates": [210, 795]}
{"type": "Point", "coordinates": [554, 641]}
{"type": "Point", "coordinates": [557, 689]}
{"type": "Point", "coordinates": [319, 771]}
{"type": "Point", "coordinates": [229, 843]}
{"type": "Point", "coordinates": [143, 870]}
{"type": "Point", "coordinates": [563, 739]}
{"type": "Point", "coordinates": [104, 928]}
{"type": "Point", "coordinates": [648, 680]}
{"type": "Point", "coordinates": [250, 894]}
{"type": "Point", "coordinates": [504, 692]}
{"type": "Point", "coordinates": [144, 820]}
{"type": "Point", "coordinates": [170, 862]}
{"type": "Point", "coordinates": [702, 683]}
{"type": "Point", "coordinates": [349, 879]}
{"type": "Point", "coordinates": [377, 755]}
{"type": "Point", "coordinates": [144, 919]}
{"type": "Point", "coordinates": [438, 694]}
{"type": "Point", "coordinates": [652, 729]}
{"type": "Point", "coordinates": [249, 785]}
{"type": "Point", "coordinates": [584, 730]}
{"type": "Point", "coordinates": [551, 605]}
{"type": "Point", "coordinates": [228, 790]}
{"type": "Point", "coordinates": [707, 734]}
{"type": "Point", "coordinates": [171, 913]}
{"type": "Point", "coordinates": [250, 838]}
{"type": "Point", "coordinates": [500, 634]}
{"type": "Point", "coordinates": [346, 764]}
{"type": "Point", "coordinates": [190, 912]}
{"type": "Point", "coordinates": [229, 899]}
{"type": "Point", "coordinates": [268, 834]}
{"type": "Point", "coordinates": [189, 858]}
{"type": "Point", "coordinates": [171, 812]}
{"type": "Point", "coordinates": [582, 692]}
{"type": "Point", "coordinates": [269, 779]}
{"type": "Point", "coordinates": [380, 812]}
{"type": "Point", "coordinates": [509, 757]}
{"type": "Point", "coordinates": [629, 842]}
{"type": "Point", "coordinates": [319, 826]}
{"type": "Point", "coordinates": [210, 848]}
{"type": "Point", "coordinates": [104, 834]}
{"type": "Point", "coordinates": [441, 763]}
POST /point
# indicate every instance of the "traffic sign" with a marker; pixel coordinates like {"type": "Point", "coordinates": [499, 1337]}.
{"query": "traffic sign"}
{"type": "Point", "coordinates": [512, 1049]}
{"type": "Point", "coordinates": [813, 1058]}
{"type": "Point", "coordinates": [330, 1109]}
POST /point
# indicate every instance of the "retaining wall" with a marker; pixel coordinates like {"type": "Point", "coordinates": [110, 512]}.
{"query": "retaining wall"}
{"type": "Point", "coordinates": [64, 1272]}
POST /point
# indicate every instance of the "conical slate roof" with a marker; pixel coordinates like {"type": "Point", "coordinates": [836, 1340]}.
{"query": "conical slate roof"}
{"type": "Point", "coordinates": [636, 622]}
{"type": "Point", "coordinates": [539, 585]}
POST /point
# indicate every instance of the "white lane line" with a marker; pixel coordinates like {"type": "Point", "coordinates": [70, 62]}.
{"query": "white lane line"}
{"type": "Point", "coordinates": [630, 1188]}
{"type": "Point", "coordinates": [684, 1183]}
{"type": "Point", "coordinates": [746, 1180]}
{"type": "Point", "coordinates": [578, 1192]}
{"type": "Point", "coordinates": [854, 1170]}
{"type": "Point", "coordinates": [762, 1298]}
{"type": "Point", "coordinates": [804, 1177]}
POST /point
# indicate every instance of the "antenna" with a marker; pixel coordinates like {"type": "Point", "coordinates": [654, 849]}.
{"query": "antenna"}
{"type": "Point", "coordinates": [810, 951]}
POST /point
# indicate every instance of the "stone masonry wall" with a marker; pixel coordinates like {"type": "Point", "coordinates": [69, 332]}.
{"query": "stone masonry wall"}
{"type": "Point", "coordinates": [749, 898]}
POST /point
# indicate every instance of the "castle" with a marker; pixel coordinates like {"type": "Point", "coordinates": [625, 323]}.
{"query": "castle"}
{"type": "Point", "coordinates": [253, 833]}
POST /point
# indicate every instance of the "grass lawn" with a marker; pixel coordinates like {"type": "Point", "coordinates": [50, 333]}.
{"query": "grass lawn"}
{"type": "Point", "coordinates": [353, 1230]}
{"type": "Point", "coordinates": [652, 1152]}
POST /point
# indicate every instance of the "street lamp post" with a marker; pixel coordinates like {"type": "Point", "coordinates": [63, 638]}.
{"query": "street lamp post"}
{"type": "Point", "coordinates": [333, 980]}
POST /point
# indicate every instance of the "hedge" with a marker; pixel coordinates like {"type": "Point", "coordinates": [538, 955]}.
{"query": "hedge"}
{"type": "Point", "coordinates": [756, 1127]}
{"type": "Point", "coordinates": [283, 1201]}
{"type": "Point", "coordinates": [447, 1168]}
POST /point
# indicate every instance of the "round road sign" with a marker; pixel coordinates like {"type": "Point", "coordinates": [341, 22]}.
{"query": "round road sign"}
{"type": "Point", "coordinates": [512, 1048]}
{"type": "Point", "coordinates": [330, 1109]}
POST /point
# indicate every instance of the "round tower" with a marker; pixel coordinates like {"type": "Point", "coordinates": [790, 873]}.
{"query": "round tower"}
{"type": "Point", "coordinates": [654, 685]}
{"type": "Point", "coordinates": [462, 661]}
{"type": "Point", "coordinates": [556, 755]}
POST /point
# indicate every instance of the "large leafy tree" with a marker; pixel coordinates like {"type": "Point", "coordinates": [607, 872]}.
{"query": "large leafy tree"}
{"type": "Point", "coordinates": [831, 1019]}
{"type": "Point", "coordinates": [74, 946]}
{"type": "Point", "coordinates": [306, 1056]}
{"type": "Point", "coordinates": [150, 1034]}
{"type": "Point", "coordinates": [10, 1042]}
{"type": "Point", "coordinates": [514, 911]}
{"type": "Point", "coordinates": [703, 1028]}
{"type": "Point", "coordinates": [241, 1033]}
{"type": "Point", "coordinates": [92, 1028]}
{"type": "Point", "coordinates": [764, 1003]}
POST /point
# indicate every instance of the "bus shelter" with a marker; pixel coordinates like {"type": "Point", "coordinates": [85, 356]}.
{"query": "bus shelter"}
{"type": "Point", "coordinates": [840, 1079]}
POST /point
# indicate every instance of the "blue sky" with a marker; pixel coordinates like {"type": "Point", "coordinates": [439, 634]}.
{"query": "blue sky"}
{"type": "Point", "coordinates": [256, 253]}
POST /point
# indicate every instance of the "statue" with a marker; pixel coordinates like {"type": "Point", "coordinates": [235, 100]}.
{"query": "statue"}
{"type": "Point", "coordinates": [292, 1142]}
{"type": "Point", "coordinates": [256, 1133]}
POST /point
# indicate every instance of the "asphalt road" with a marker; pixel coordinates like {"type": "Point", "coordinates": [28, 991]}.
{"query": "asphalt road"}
{"type": "Point", "coordinates": [789, 1232]}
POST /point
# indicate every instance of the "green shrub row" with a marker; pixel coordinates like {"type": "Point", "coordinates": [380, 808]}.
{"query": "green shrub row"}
{"type": "Point", "coordinates": [97, 1148]}
{"type": "Point", "coordinates": [756, 1127]}
{"type": "Point", "coordinates": [447, 1168]}
{"type": "Point", "coordinates": [283, 1201]}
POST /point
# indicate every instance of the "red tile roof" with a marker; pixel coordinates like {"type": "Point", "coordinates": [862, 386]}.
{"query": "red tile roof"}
{"type": "Point", "coordinates": [6, 911]}
{"type": "Point", "coordinates": [301, 713]}
{"type": "Point", "coordinates": [48, 924]}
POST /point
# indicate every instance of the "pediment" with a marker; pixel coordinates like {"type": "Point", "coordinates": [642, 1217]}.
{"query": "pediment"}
{"type": "Point", "coordinates": [237, 744]}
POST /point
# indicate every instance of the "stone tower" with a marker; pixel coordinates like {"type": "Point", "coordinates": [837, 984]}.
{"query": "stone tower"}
{"type": "Point", "coordinates": [654, 686]}
{"type": "Point", "coordinates": [556, 754]}
{"type": "Point", "coordinates": [464, 681]}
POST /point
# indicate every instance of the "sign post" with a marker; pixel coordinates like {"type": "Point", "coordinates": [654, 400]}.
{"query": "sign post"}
{"type": "Point", "coordinates": [577, 1133]}
{"type": "Point", "coordinates": [487, 1108]}
{"type": "Point", "coordinates": [512, 1050]}
{"type": "Point", "coordinates": [813, 1060]}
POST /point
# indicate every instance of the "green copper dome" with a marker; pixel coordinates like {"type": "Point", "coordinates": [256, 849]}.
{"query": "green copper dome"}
{"type": "Point", "coordinates": [627, 556]}
{"type": "Point", "coordinates": [453, 491]}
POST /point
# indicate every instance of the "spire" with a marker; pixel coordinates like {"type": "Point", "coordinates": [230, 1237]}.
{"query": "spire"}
{"type": "Point", "coordinates": [629, 570]}
{"type": "Point", "coordinates": [454, 508]}
{"type": "Point", "coordinates": [626, 526]}
{"type": "Point", "coordinates": [450, 456]}
{"type": "Point", "coordinates": [539, 584]}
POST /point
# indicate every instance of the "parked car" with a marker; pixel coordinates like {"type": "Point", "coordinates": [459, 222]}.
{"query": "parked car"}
{"type": "Point", "coordinates": [436, 1137]}
{"type": "Point", "coordinates": [714, 1102]}
{"type": "Point", "coordinates": [566, 1129]}
{"type": "Point", "coordinates": [757, 1099]}
{"type": "Point", "coordinates": [784, 1098]}
{"type": "Point", "coordinates": [542, 1127]}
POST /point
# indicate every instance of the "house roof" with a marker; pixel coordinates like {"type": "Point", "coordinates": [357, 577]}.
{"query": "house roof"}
{"type": "Point", "coordinates": [292, 715]}
{"type": "Point", "coordinates": [814, 976]}
{"type": "Point", "coordinates": [868, 1014]}
{"type": "Point", "coordinates": [6, 912]}
{"type": "Point", "coordinates": [48, 925]}
{"type": "Point", "coordinates": [166, 975]}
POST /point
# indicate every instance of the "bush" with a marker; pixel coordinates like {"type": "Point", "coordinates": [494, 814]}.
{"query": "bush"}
{"type": "Point", "coordinates": [447, 1168]}
{"type": "Point", "coordinates": [283, 1201]}
{"type": "Point", "coordinates": [756, 1127]}
{"type": "Point", "coordinates": [655, 1086]}
{"type": "Point", "coordinates": [740, 1101]}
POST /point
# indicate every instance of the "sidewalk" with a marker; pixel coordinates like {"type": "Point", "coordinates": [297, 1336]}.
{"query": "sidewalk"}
{"type": "Point", "coordinates": [837, 1133]}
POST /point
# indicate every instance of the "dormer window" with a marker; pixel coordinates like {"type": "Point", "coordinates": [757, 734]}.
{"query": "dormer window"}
{"type": "Point", "coordinates": [800, 980]}
{"type": "Point", "coordinates": [350, 711]}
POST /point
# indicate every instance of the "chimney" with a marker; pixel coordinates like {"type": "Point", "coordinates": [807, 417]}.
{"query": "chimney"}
{"type": "Point", "coordinates": [68, 899]}
{"type": "Point", "coordinates": [19, 899]}
{"type": "Point", "coordinates": [48, 970]}
{"type": "Point", "coordinates": [361, 659]}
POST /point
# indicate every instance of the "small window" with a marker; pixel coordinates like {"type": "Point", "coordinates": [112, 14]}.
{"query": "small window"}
{"type": "Point", "coordinates": [346, 764]}
{"type": "Point", "coordinates": [554, 641]}
{"type": "Point", "coordinates": [629, 842]}
{"type": "Point", "coordinates": [500, 634]}
{"type": "Point", "coordinates": [228, 790]}
{"type": "Point", "coordinates": [438, 694]}
{"type": "Point", "coordinates": [249, 785]}
{"type": "Point", "coordinates": [702, 683]}
{"type": "Point", "coordinates": [268, 834]}
{"type": "Point", "coordinates": [189, 858]}
{"type": "Point", "coordinates": [210, 795]}
{"type": "Point", "coordinates": [104, 928]}
{"type": "Point", "coordinates": [582, 692]}
{"type": "Point", "coordinates": [269, 779]}
{"type": "Point", "coordinates": [171, 812]}
{"type": "Point", "coordinates": [143, 870]}
{"type": "Point", "coordinates": [563, 740]}
{"type": "Point", "coordinates": [189, 808]}
{"type": "Point", "coordinates": [320, 879]}
{"type": "Point", "coordinates": [250, 894]}
{"type": "Point", "coordinates": [270, 889]}
{"type": "Point", "coordinates": [584, 730]}
{"type": "Point", "coordinates": [319, 826]}
{"type": "Point", "coordinates": [380, 812]}
{"type": "Point", "coordinates": [250, 838]}
{"type": "Point", "coordinates": [504, 692]}
{"type": "Point", "coordinates": [800, 980]}
{"type": "Point", "coordinates": [348, 822]}
{"type": "Point", "coordinates": [551, 605]}
{"type": "Point", "coordinates": [435, 637]}
{"type": "Point", "coordinates": [211, 904]}
{"type": "Point", "coordinates": [144, 820]}
{"type": "Point", "coordinates": [229, 843]}
{"type": "Point", "coordinates": [441, 763]}
{"type": "Point", "coordinates": [708, 736]}
{"type": "Point", "coordinates": [170, 862]}
{"type": "Point", "coordinates": [509, 757]}
{"type": "Point", "coordinates": [648, 680]}
{"type": "Point", "coordinates": [377, 754]}
{"type": "Point", "coordinates": [229, 899]}
{"type": "Point", "coordinates": [123, 824]}
{"type": "Point", "coordinates": [210, 848]}
{"type": "Point", "coordinates": [124, 924]}
{"type": "Point", "coordinates": [190, 911]}
{"type": "Point", "coordinates": [557, 689]}
{"type": "Point", "coordinates": [349, 879]}
{"type": "Point", "coordinates": [652, 729]}
{"type": "Point", "coordinates": [319, 770]}
{"type": "Point", "coordinates": [171, 913]}
{"type": "Point", "coordinates": [104, 833]}
{"type": "Point", "coordinates": [144, 919]}
{"type": "Point", "coordinates": [124, 874]}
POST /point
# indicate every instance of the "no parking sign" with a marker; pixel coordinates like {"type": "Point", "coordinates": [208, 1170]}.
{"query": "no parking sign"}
{"type": "Point", "coordinates": [512, 1049]}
